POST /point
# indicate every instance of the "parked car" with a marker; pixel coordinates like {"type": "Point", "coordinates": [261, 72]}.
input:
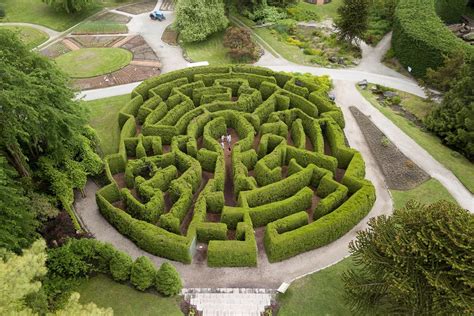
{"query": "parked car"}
{"type": "Point", "coordinates": [157, 15]}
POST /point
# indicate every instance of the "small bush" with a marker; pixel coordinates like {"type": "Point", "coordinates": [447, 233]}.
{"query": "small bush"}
{"type": "Point", "coordinates": [120, 266]}
{"type": "Point", "coordinates": [2, 12]}
{"type": "Point", "coordinates": [167, 280]}
{"type": "Point", "coordinates": [143, 273]}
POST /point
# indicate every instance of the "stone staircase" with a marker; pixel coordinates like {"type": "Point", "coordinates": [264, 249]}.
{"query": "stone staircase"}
{"type": "Point", "coordinates": [229, 301]}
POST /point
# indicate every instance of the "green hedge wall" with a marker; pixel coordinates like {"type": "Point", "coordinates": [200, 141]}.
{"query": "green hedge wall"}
{"type": "Point", "coordinates": [420, 38]}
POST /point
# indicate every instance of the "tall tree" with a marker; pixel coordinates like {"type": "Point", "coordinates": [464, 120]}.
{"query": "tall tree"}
{"type": "Point", "coordinates": [197, 19]}
{"type": "Point", "coordinates": [40, 118]}
{"type": "Point", "coordinates": [70, 6]}
{"type": "Point", "coordinates": [352, 21]}
{"type": "Point", "coordinates": [416, 262]}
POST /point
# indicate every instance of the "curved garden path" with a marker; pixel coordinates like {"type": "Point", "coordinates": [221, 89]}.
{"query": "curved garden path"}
{"type": "Point", "coordinates": [266, 274]}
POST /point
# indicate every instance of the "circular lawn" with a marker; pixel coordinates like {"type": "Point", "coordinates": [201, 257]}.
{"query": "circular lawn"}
{"type": "Point", "coordinates": [91, 62]}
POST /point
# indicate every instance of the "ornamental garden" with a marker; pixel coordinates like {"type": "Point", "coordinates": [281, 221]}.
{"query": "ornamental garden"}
{"type": "Point", "coordinates": [287, 171]}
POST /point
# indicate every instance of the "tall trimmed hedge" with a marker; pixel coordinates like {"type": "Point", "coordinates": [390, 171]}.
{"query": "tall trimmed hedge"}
{"type": "Point", "coordinates": [420, 38]}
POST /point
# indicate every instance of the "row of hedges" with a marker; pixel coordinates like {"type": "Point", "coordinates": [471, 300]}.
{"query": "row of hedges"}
{"type": "Point", "coordinates": [81, 257]}
{"type": "Point", "coordinates": [420, 38]}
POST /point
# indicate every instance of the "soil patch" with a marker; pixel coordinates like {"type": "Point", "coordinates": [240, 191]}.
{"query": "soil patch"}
{"type": "Point", "coordinates": [167, 5]}
{"type": "Point", "coordinates": [140, 49]}
{"type": "Point", "coordinates": [55, 50]}
{"type": "Point", "coordinates": [139, 8]}
{"type": "Point", "coordinates": [400, 172]}
{"type": "Point", "coordinates": [170, 36]}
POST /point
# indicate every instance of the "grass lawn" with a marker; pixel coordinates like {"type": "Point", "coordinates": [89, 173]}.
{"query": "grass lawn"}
{"type": "Point", "coordinates": [124, 299]}
{"type": "Point", "coordinates": [429, 192]}
{"type": "Point", "coordinates": [31, 37]}
{"type": "Point", "coordinates": [91, 62]}
{"type": "Point", "coordinates": [327, 11]}
{"type": "Point", "coordinates": [37, 12]}
{"type": "Point", "coordinates": [454, 161]}
{"type": "Point", "coordinates": [104, 119]}
{"type": "Point", "coordinates": [320, 293]}
{"type": "Point", "coordinates": [210, 50]}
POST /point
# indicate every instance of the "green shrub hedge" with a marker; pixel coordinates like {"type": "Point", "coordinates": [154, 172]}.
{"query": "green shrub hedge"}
{"type": "Point", "coordinates": [176, 172]}
{"type": "Point", "coordinates": [420, 38]}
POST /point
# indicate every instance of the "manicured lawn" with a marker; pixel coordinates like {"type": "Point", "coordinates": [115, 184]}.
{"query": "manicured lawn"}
{"type": "Point", "coordinates": [210, 50]}
{"type": "Point", "coordinates": [104, 119]}
{"type": "Point", "coordinates": [31, 37]}
{"type": "Point", "coordinates": [91, 62]}
{"type": "Point", "coordinates": [320, 293]}
{"type": "Point", "coordinates": [429, 192]}
{"type": "Point", "coordinates": [327, 11]}
{"type": "Point", "coordinates": [100, 27]}
{"type": "Point", "coordinates": [460, 166]}
{"type": "Point", "coordinates": [37, 12]}
{"type": "Point", "coordinates": [124, 299]}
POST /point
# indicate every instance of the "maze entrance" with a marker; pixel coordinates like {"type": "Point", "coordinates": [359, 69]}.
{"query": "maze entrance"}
{"type": "Point", "coordinates": [285, 183]}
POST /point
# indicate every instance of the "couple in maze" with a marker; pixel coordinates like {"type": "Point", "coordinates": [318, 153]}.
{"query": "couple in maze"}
{"type": "Point", "coordinates": [227, 138]}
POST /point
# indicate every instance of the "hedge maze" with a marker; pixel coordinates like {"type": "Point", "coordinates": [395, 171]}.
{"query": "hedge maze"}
{"type": "Point", "coordinates": [289, 182]}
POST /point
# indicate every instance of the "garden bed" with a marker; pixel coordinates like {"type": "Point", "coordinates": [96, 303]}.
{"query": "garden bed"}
{"type": "Point", "coordinates": [400, 173]}
{"type": "Point", "coordinates": [139, 8]}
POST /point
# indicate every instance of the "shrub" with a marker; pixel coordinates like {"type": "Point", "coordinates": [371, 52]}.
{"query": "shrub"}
{"type": "Point", "coordinates": [143, 273]}
{"type": "Point", "coordinates": [120, 266]}
{"type": "Point", "coordinates": [242, 47]}
{"type": "Point", "coordinates": [167, 280]}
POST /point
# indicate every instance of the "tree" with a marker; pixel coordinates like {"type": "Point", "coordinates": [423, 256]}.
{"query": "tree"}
{"type": "Point", "coordinates": [352, 21]}
{"type": "Point", "coordinates": [241, 46]}
{"type": "Point", "coordinates": [417, 262]}
{"type": "Point", "coordinates": [19, 277]}
{"type": "Point", "coordinates": [197, 19]}
{"type": "Point", "coordinates": [167, 280]}
{"type": "Point", "coordinates": [120, 266]}
{"type": "Point", "coordinates": [143, 273]}
{"type": "Point", "coordinates": [42, 126]}
{"type": "Point", "coordinates": [70, 6]}
{"type": "Point", "coordinates": [17, 218]}
{"type": "Point", "coordinates": [453, 119]}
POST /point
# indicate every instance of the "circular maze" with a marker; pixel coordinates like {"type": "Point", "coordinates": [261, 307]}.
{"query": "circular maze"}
{"type": "Point", "coordinates": [286, 182]}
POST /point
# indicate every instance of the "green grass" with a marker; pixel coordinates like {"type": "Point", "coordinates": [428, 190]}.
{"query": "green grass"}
{"type": "Point", "coordinates": [320, 293]}
{"type": "Point", "coordinates": [91, 62]}
{"type": "Point", "coordinates": [31, 37]}
{"type": "Point", "coordinates": [429, 192]}
{"type": "Point", "coordinates": [100, 27]}
{"type": "Point", "coordinates": [124, 299]}
{"type": "Point", "coordinates": [104, 119]}
{"type": "Point", "coordinates": [326, 11]}
{"type": "Point", "coordinates": [452, 160]}
{"type": "Point", "coordinates": [210, 50]}
{"type": "Point", "coordinates": [37, 12]}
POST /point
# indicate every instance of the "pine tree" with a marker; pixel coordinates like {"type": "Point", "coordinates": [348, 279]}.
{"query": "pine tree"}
{"type": "Point", "coordinates": [352, 21]}
{"type": "Point", "coordinates": [416, 262]}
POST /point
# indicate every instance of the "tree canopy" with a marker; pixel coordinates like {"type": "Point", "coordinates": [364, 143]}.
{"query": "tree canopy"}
{"type": "Point", "coordinates": [43, 127]}
{"type": "Point", "coordinates": [197, 19]}
{"type": "Point", "coordinates": [352, 21]}
{"type": "Point", "coordinates": [417, 262]}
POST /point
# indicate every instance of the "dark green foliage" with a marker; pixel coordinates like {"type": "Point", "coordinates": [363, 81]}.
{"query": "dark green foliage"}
{"type": "Point", "coordinates": [352, 21]}
{"type": "Point", "coordinates": [167, 280]}
{"type": "Point", "coordinates": [453, 119]}
{"type": "Point", "coordinates": [143, 273]}
{"type": "Point", "coordinates": [418, 262]}
{"type": "Point", "coordinates": [120, 266]}
{"type": "Point", "coordinates": [420, 39]}
{"type": "Point", "coordinates": [17, 217]}
{"type": "Point", "coordinates": [450, 11]}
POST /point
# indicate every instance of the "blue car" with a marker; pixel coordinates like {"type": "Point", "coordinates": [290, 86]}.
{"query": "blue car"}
{"type": "Point", "coordinates": [157, 15]}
